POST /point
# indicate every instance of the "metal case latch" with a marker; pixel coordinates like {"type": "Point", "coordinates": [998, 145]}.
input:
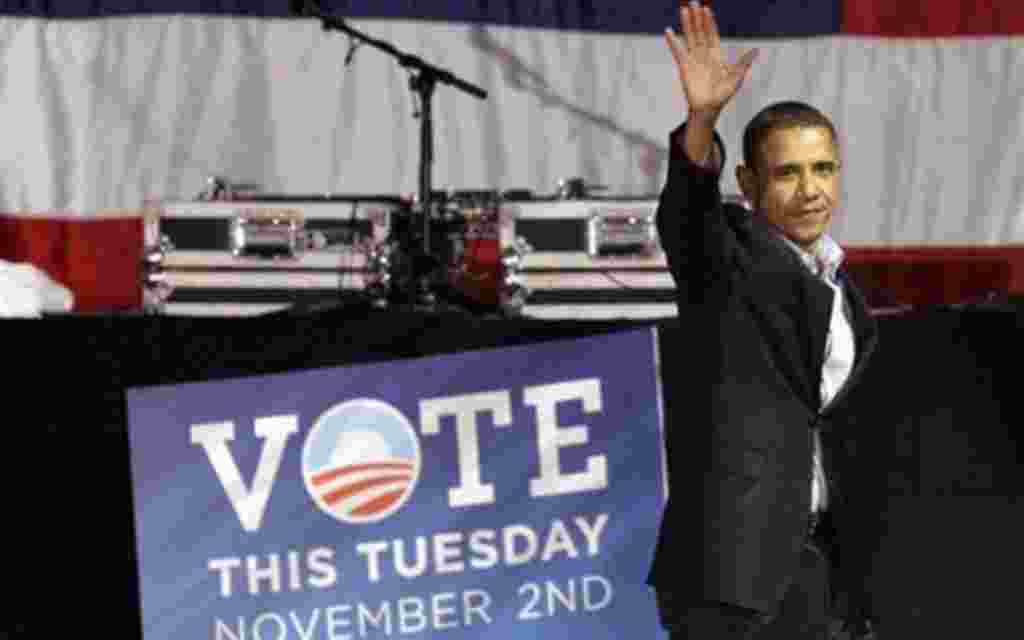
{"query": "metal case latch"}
{"type": "Point", "coordinates": [621, 233]}
{"type": "Point", "coordinates": [267, 233]}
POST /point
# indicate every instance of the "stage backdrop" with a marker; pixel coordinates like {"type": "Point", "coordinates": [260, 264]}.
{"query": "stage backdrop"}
{"type": "Point", "coordinates": [502, 494]}
{"type": "Point", "coordinates": [108, 102]}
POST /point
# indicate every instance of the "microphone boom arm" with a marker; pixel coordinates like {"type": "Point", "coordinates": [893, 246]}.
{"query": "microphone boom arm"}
{"type": "Point", "coordinates": [425, 78]}
{"type": "Point", "coordinates": [415, 63]}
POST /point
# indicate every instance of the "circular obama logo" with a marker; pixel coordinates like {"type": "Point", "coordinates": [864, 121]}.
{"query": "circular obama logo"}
{"type": "Point", "coordinates": [361, 461]}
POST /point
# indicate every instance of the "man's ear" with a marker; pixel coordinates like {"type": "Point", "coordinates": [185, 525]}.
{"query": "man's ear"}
{"type": "Point", "coordinates": [747, 180]}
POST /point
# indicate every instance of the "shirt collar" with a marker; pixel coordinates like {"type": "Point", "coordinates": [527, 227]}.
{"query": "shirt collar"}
{"type": "Point", "coordinates": [826, 255]}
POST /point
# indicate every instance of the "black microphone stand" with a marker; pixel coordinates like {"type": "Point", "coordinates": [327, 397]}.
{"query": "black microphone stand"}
{"type": "Point", "coordinates": [423, 82]}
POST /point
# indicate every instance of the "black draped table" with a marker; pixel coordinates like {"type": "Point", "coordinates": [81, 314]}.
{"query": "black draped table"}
{"type": "Point", "coordinates": [937, 420]}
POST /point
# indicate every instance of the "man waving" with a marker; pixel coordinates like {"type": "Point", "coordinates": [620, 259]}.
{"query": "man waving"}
{"type": "Point", "coordinates": [752, 542]}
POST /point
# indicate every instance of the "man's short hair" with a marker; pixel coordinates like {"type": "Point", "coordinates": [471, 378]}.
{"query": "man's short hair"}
{"type": "Point", "coordinates": [781, 115]}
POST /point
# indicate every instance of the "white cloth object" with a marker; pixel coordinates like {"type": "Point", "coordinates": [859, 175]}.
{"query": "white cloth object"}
{"type": "Point", "coordinates": [819, 484]}
{"type": "Point", "coordinates": [27, 291]}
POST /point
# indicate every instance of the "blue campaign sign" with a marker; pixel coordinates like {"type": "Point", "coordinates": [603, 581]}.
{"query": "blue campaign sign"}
{"type": "Point", "coordinates": [500, 494]}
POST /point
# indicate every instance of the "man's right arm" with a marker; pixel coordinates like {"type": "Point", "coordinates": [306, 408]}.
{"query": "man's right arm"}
{"type": "Point", "coordinates": [699, 138]}
{"type": "Point", "coordinates": [693, 231]}
{"type": "Point", "coordinates": [691, 227]}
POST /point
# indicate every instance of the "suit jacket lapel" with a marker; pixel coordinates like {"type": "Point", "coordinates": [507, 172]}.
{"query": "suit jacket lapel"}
{"type": "Point", "coordinates": [783, 308]}
{"type": "Point", "coordinates": [817, 316]}
{"type": "Point", "coordinates": [819, 300]}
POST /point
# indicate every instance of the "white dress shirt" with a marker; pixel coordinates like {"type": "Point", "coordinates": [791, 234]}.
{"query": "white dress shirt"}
{"type": "Point", "coordinates": [840, 348]}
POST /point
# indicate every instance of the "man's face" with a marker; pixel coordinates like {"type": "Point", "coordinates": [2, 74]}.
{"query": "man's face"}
{"type": "Point", "coordinates": [795, 184]}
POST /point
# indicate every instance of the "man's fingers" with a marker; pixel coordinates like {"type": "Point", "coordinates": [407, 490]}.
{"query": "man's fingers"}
{"type": "Point", "coordinates": [676, 46]}
{"type": "Point", "coordinates": [686, 22]}
{"type": "Point", "coordinates": [703, 20]}
{"type": "Point", "coordinates": [742, 68]}
{"type": "Point", "coordinates": [747, 59]}
{"type": "Point", "coordinates": [692, 26]}
{"type": "Point", "coordinates": [714, 39]}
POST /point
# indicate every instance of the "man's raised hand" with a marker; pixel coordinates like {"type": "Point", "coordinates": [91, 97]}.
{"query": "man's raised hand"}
{"type": "Point", "coordinates": [708, 81]}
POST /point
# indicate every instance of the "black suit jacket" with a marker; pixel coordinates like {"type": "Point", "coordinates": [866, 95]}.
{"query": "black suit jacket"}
{"type": "Point", "coordinates": [740, 466]}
